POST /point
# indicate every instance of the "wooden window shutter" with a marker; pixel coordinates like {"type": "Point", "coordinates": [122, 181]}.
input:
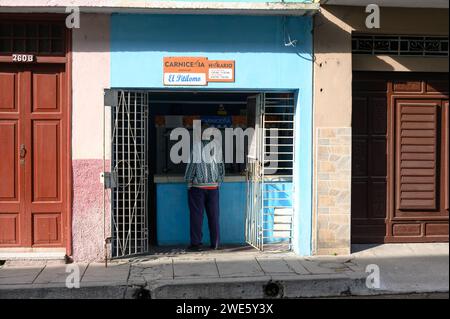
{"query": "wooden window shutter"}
{"type": "Point", "coordinates": [446, 157]}
{"type": "Point", "coordinates": [417, 154]}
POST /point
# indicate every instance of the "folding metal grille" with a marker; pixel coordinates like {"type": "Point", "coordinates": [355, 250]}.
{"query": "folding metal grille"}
{"type": "Point", "coordinates": [253, 221]}
{"type": "Point", "coordinates": [269, 219]}
{"type": "Point", "coordinates": [130, 170]}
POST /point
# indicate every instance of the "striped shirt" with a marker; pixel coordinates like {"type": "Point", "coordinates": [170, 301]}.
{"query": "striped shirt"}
{"type": "Point", "coordinates": [206, 175]}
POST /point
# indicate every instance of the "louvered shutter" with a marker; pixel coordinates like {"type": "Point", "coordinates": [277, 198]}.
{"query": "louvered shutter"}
{"type": "Point", "coordinates": [417, 154]}
{"type": "Point", "coordinates": [446, 146]}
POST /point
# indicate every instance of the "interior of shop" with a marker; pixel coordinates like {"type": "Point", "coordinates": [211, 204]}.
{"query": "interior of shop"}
{"type": "Point", "coordinates": [168, 193]}
{"type": "Point", "coordinates": [150, 200]}
{"type": "Point", "coordinates": [169, 211]}
{"type": "Point", "coordinates": [168, 111]}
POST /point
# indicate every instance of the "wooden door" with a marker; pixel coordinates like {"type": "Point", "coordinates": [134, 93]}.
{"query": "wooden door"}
{"type": "Point", "coordinates": [400, 157]}
{"type": "Point", "coordinates": [446, 157]}
{"type": "Point", "coordinates": [34, 150]}
{"type": "Point", "coordinates": [420, 194]}
{"type": "Point", "coordinates": [12, 199]}
{"type": "Point", "coordinates": [369, 174]}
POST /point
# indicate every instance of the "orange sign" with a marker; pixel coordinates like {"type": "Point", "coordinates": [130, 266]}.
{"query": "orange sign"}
{"type": "Point", "coordinates": [185, 71]}
{"type": "Point", "coordinates": [191, 71]}
{"type": "Point", "coordinates": [221, 71]}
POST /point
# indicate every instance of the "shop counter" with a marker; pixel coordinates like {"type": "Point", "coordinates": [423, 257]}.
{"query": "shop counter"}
{"type": "Point", "coordinates": [173, 211]}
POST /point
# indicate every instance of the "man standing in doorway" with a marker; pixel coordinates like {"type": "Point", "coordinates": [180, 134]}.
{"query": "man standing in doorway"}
{"type": "Point", "coordinates": [204, 176]}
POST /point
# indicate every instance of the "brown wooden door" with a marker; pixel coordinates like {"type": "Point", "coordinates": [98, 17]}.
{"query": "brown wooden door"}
{"type": "Point", "coordinates": [400, 157]}
{"type": "Point", "coordinates": [420, 195]}
{"type": "Point", "coordinates": [33, 150]}
{"type": "Point", "coordinates": [446, 157]}
{"type": "Point", "coordinates": [369, 173]}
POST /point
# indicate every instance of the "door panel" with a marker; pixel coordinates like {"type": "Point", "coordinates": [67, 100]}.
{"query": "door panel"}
{"type": "Point", "coordinates": [420, 138]}
{"type": "Point", "coordinates": [46, 229]}
{"type": "Point", "coordinates": [45, 166]}
{"type": "Point", "coordinates": [8, 87]}
{"type": "Point", "coordinates": [369, 167]}
{"type": "Point", "coordinates": [12, 220]}
{"type": "Point", "coordinates": [33, 147]}
{"type": "Point", "coordinates": [446, 162]}
{"type": "Point", "coordinates": [45, 91]}
{"type": "Point", "coordinates": [416, 157]}
{"type": "Point", "coordinates": [8, 168]}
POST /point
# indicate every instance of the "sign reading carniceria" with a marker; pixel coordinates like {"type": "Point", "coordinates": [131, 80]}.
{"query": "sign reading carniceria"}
{"type": "Point", "coordinates": [196, 71]}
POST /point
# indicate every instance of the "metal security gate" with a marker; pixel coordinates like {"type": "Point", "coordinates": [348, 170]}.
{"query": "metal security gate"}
{"type": "Point", "coordinates": [129, 173]}
{"type": "Point", "coordinates": [253, 221]}
{"type": "Point", "coordinates": [269, 216]}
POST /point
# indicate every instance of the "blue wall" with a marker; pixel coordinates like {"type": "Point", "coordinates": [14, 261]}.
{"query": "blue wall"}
{"type": "Point", "coordinates": [173, 214]}
{"type": "Point", "coordinates": [256, 43]}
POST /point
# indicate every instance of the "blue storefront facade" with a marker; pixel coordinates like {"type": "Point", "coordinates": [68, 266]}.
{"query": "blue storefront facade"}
{"type": "Point", "coordinates": [264, 61]}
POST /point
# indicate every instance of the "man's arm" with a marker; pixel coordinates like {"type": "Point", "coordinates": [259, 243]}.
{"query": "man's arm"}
{"type": "Point", "coordinates": [190, 172]}
{"type": "Point", "coordinates": [221, 171]}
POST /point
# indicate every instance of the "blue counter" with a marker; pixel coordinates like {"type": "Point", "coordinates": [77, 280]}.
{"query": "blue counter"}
{"type": "Point", "coordinates": [173, 214]}
{"type": "Point", "coordinates": [173, 211]}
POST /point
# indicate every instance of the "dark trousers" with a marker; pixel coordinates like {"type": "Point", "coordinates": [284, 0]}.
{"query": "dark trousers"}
{"type": "Point", "coordinates": [201, 200]}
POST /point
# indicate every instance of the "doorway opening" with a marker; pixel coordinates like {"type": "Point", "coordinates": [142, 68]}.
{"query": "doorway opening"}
{"type": "Point", "coordinates": [149, 204]}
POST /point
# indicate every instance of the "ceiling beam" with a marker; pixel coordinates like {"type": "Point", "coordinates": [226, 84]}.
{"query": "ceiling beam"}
{"type": "Point", "coordinates": [162, 7]}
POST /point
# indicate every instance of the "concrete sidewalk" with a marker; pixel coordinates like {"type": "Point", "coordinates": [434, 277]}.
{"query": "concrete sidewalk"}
{"type": "Point", "coordinates": [237, 273]}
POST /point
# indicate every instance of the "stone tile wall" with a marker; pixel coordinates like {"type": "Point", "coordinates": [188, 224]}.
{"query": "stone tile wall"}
{"type": "Point", "coordinates": [333, 190]}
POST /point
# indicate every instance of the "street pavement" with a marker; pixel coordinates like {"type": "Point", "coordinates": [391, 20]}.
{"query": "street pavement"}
{"type": "Point", "coordinates": [412, 269]}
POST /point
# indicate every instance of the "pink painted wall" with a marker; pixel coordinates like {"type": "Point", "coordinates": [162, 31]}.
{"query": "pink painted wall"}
{"type": "Point", "coordinates": [91, 75]}
{"type": "Point", "coordinates": [90, 225]}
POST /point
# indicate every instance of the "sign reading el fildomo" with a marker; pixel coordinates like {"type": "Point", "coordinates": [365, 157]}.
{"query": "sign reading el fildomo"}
{"type": "Point", "coordinates": [196, 71]}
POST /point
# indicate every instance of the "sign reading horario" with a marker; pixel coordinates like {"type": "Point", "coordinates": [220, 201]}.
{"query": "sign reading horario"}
{"type": "Point", "coordinates": [196, 71]}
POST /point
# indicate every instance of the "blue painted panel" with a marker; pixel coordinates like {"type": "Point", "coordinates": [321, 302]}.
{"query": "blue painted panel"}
{"type": "Point", "coordinates": [173, 214]}
{"type": "Point", "coordinates": [303, 173]}
{"type": "Point", "coordinates": [263, 62]}
{"type": "Point", "coordinates": [257, 44]}
{"type": "Point", "coordinates": [280, 199]}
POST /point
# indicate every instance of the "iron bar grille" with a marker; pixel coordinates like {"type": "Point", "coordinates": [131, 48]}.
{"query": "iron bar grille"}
{"type": "Point", "coordinates": [400, 45]}
{"type": "Point", "coordinates": [129, 166]}
{"type": "Point", "coordinates": [253, 218]}
{"type": "Point", "coordinates": [269, 217]}
{"type": "Point", "coordinates": [32, 38]}
{"type": "Point", "coordinates": [277, 170]}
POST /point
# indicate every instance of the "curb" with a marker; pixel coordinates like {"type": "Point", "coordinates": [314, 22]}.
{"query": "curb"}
{"type": "Point", "coordinates": [310, 286]}
{"type": "Point", "coordinates": [278, 287]}
{"type": "Point", "coordinates": [93, 292]}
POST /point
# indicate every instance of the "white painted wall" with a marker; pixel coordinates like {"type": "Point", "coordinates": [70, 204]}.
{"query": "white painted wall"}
{"type": "Point", "coordinates": [91, 75]}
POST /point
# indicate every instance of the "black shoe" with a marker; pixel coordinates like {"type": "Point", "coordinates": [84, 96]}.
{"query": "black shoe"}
{"type": "Point", "coordinates": [214, 247]}
{"type": "Point", "coordinates": [194, 248]}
